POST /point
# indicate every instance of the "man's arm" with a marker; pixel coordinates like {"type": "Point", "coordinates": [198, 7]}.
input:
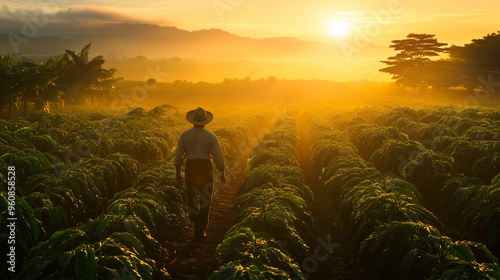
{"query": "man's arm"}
{"type": "Point", "coordinates": [178, 175]}
{"type": "Point", "coordinates": [218, 159]}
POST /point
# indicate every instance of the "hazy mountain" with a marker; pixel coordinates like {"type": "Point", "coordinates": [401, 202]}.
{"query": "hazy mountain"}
{"type": "Point", "coordinates": [208, 55]}
{"type": "Point", "coordinates": [149, 40]}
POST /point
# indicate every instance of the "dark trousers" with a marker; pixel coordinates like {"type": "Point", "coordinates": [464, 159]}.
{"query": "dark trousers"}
{"type": "Point", "coordinates": [199, 187]}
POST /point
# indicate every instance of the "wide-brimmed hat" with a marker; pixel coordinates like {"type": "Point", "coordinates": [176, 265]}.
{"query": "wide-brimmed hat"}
{"type": "Point", "coordinates": [199, 116]}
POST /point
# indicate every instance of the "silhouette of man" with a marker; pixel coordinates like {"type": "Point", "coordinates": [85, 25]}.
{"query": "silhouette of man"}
{"type": "Point", "coordinates": [196, 145]}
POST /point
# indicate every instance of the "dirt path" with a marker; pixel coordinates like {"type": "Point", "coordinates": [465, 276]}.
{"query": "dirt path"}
{"type": "Point", "coordinates": [191, 261]}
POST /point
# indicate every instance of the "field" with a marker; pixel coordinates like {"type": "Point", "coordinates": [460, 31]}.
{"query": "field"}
{"type": "Point", "coordinates": [340, 181]}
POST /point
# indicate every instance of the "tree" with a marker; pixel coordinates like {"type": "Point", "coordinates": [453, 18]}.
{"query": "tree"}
{"type": "Point", "coordinates": [480, 58]}
{"type": "Point", "coordinates": [24, 82]}
{"type": "Point", "coordinates": [31, 84]}
{"type": "Point", "coordinates": [6, 81]}
{"type": "Point", "coordinates": [410, 67]}
{"type": "Point", "coordinates": [481, 53]}
{"type": "Point", "coordinates": [81, 78]}
{"type": "Point", "coordinates": [447, 74]}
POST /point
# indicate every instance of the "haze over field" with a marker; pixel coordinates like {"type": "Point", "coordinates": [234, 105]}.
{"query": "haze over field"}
{"type": "Point", "coordinates": [213, 40]}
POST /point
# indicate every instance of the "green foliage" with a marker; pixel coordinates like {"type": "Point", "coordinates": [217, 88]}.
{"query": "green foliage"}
{"type": "Point", "coordinates": [276, 175]}
{"type": "Point", "coordinates": [252, 249]}
{"type": "Point", "coordinates": [394, 155]}
{"type": "Point", "coordinates": [276, 156]}
{"type": "Point", "coordinates": [488, 167]}
{"type": "Point", "coordinates": [156, 175]}
{"type": "Point", "coordinates": [274, 214]}
{"type": "Point", "coordinates": [106, 225]}
{"type": "Point", "coordinates": [418, 251]}
{"type": "Point", "coordinates": [157, 213]}
{"type": "Point", "coordinates": [145, 149]}
{"type": "Point", "coordinates": [428, 171]}
{"type": "Point", "coordinates": [29, 230]}
{"type": "Point", "coordinates": [369, 137]}
{"type": "Point", "coordinates": [52, 216]}
{"type": "Point", "coordinates": [280, 220]}
{"type": "Point", "coordinates": [85, 262]}
{"type": "Point", "coordinates": [477, 208]}
{"type": "Point", "coordinates": [466, 153]}
{"type": "Point", "coordinates": [28, 162]}
{"type": "Point", "coordinates": [341, 122]}
{"type": "Point", "coordinates": [386, 247]}
{"type": "Point", "coordinates": [70, 254]}
{"type": "Point", "coordinates": [125, 203]}
{"type": "Point", "coordinates": [44, 259]}
{"type": "Point", "coordinates": [234, 270]}
{"type": "Point", "coordinates": [43, 143]}
{"type": "Point", "coordinates": [482, 133]}
{"type": "Point", "coordinates": [385, 211]}
{"type": "Point", "coordinates": [324, 151]}
{"type": "Point", "coordinates": [392, 116]}
{"type": "Point", "coordinates": [366, 207]}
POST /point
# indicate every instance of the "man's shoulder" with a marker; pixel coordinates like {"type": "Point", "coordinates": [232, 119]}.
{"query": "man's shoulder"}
{"type": "Point", "coordinates": [188, 131]}
{"type": "Point", "coordinates": [199, 131]}
{"type": "Point", "coordinates": [208, 134]}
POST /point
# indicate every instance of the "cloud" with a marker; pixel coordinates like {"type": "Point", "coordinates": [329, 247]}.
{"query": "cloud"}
{"type": "Point", "coordinates": [62, 22]}
{"type": "Point", "coordinates": [92, 13]}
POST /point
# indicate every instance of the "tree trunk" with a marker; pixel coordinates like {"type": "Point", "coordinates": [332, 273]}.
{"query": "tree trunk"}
{"type": "Point", "coordinates": [2, 107]}
{"type": "Point", "coordinates": [10, 110]}
{"type": "Point", "coordinates": [25, 112]}
{"type": "Point", "coordinates": [39, 104]}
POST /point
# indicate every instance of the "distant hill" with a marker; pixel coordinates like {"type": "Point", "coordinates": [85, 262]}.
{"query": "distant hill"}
{"type": "Point", "coordinates": [207, 55]}
{"type": "Point", "coordinates": [166, 41]}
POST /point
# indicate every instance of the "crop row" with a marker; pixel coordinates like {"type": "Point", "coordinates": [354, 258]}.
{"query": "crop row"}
{"type": "Point", "coordinates": [470, 136]}
{"type": "Point", "coordinates": [467, 203]}
{"type": "Point", "coordinates": [96, 182]}
{"type": "Point", "coordinates": [136, 205]}
{"type": "Point", "coordinates": [274, 217]}
{"type": "Point", "coordinates": [395, 236]}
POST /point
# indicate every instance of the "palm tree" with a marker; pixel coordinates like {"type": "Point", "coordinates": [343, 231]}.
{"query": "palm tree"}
{"type": "Point", "coordinates": [81, 78]}
{"type": "Point", "coordinates": [6, 81]}
{"type": "Point", "coordinates": [23, 82]}
{"type": "Point", "coordinates": [31, 84]}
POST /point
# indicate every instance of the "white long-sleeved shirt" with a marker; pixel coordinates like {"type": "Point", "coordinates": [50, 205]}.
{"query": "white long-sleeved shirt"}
{"type": "Point", "coordinates": [199, 143]}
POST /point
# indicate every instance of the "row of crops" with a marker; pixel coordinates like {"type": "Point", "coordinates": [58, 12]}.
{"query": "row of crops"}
{"type": "Point", "coordinates": [274, 217]}
{"type": "Point", "coordinates": [450, 156]}
{"type": "Point", "coordinates": [383, 186]}
{"type": "Point", "coordinates": [382, 182]}
{"type": "Point", "coordinates": [96, 195]}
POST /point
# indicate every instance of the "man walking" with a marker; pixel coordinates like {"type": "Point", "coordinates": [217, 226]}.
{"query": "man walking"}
{"type": "Point", "coordinates": [196, 145]}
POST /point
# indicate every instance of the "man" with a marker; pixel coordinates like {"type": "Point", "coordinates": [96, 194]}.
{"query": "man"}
{"type": "Point", "coordinates": [197, 145]}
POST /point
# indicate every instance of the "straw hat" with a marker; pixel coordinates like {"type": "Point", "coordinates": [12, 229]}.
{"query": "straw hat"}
{"type": "Point", "coordinates": [199, 116]}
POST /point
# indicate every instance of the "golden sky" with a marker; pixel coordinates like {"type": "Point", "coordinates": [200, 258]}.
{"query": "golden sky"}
{"type": "Point", "coordinates": [360, 32]}
{"type": "Point", "coordinates": [453, 21]}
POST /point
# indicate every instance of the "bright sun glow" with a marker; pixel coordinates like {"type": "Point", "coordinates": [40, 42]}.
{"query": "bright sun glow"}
{"type": "Point", "coordinates": [338, 28]}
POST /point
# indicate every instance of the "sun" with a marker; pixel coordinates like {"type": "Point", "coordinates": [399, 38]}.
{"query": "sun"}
{"type": "Point", "coordinates": [338, 28]}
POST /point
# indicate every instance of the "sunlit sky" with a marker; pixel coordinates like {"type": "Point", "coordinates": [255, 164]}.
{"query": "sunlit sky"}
{"type": "Point", "coordinates": [347, 39]}
{"type": "Point", "coordinates": [453, 21]}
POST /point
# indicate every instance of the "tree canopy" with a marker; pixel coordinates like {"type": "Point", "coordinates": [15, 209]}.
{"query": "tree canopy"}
{"type": "Point", "coordinates": [410, 67]}
{"type": "Point", "coordinates": [468, 67]}
{"type": "Point", "coordinates": [72, 77]}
